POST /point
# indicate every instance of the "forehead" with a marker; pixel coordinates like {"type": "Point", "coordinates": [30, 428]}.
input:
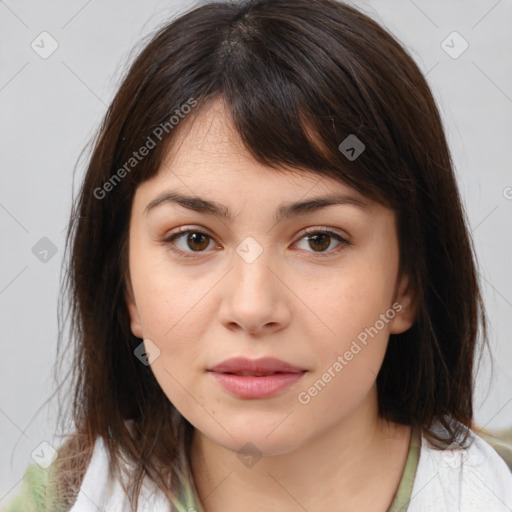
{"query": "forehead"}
{"type": "Point", "coordinates": [207, 155]}
{"type": "Point", "coordinates": [207, 139]}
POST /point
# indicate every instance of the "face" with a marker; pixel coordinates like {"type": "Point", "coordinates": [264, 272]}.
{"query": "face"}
{"type": "Point", "coordinates": [316, 288]}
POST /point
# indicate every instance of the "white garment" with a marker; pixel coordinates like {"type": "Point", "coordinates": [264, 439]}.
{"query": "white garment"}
{"type": "Point", "coordinates": [100, 492]}
{"type": "Point", "coordinates": [457, 480]}
{"type": "Point", "coordinates": [454, 480]}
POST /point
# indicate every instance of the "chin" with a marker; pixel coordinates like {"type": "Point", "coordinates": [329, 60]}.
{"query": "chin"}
{"type": "Point", "coordinates": [257, 442]}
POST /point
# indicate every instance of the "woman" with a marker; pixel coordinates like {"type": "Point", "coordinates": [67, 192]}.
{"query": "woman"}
{"type": "Point", "coordinates": [274, 292]}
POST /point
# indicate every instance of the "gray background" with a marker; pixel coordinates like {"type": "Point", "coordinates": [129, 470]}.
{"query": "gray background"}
{"type": "Point", "coordinates": [51, 107]}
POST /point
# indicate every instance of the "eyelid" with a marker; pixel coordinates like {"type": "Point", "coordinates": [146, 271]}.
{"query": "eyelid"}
{"type": "Point", "coordinates": [185, 229]}
{"type": "Point", "coordinates": [324, 229]}
{"type": "Point", "coordinates": [305, 231]}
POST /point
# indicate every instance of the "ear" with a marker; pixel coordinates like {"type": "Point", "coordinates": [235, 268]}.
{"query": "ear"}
{"type": "Point", "coordinates": [135, 321]}
{"type": "Point", "coordinates": [405, 306]}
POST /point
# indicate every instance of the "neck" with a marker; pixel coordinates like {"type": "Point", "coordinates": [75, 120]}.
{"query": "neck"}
{"type": "Point", "coordinates": [335, 467]}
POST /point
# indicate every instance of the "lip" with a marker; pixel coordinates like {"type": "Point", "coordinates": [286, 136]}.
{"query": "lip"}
{"type": "Point", "coordinates": [262, 365]}
{"type": "Point", "coordinates": [251, 385]}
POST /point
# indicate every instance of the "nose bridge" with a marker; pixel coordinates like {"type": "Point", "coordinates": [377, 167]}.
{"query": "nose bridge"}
{"type": "Point", "coordinates": [251, 268]}
{"type": "Point", "coordinates": [254, 299]}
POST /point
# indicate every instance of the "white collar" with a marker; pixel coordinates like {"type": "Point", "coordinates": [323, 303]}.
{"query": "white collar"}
{"type": "Point", "coordinates": [454, 480]}
{"type": "Point", "coordinates": [100, 491]}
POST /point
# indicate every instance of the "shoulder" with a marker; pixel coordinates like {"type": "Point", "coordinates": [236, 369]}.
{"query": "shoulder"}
{"type": "Point", "coordinates": [53, 488]}
{"type": "Point", "coordinates": [500, 440]}
{"type": "Point", "coordinates": [473, 478]}
{"type": "Point", "coordinates": [31, 496]}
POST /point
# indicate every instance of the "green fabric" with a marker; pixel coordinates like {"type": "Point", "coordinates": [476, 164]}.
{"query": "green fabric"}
{"type": "Point", "coordinates": [404, 491]}
{"type": "Point", "coordinates": [38, 491]}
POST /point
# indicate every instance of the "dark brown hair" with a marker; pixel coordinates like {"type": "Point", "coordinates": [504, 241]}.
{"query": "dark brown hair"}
{"type": "Point", "coordinates": [297, 77]}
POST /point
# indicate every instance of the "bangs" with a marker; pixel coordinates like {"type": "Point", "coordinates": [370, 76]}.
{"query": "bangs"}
{"type": "Point", "coordinates": [294, 108]}
{"type": "Point", "coordinates": [296, 86]}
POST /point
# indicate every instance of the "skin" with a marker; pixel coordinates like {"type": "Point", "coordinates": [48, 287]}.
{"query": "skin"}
{"type": "Point", "coordinates": [289, 303]}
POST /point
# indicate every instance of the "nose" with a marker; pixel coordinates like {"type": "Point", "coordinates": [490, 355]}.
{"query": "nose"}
{"type": "Point", "coordinates": [254, 297]}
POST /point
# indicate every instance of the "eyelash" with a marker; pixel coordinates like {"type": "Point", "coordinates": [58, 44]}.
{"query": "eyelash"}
{"type": "Point", "coordinates": [308, 231]}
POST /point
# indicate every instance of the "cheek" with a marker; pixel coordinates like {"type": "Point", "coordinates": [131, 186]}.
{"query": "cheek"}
{"type": "Point", "coordinates": [175, 319]}
{"type": "Point", "coordinates": [355, 328]}
{"type": "Point", "coordinates": [349, 357]}
{"type": "Point", "coordinates": [352, 301]}
{"type": "Point", "coordinates": [169, 300]}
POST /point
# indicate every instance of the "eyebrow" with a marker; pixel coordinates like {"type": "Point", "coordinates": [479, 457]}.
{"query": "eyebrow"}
{"type": "Point", "coordinates": [284, 211]}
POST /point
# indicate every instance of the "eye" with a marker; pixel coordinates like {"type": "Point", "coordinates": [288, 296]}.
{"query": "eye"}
{"type": "Point", "coordinates": [197, 241]}
{"type": "Point", "coordinates": [193, 239]}
{"type": "Point", "coordinates": [320, 240]}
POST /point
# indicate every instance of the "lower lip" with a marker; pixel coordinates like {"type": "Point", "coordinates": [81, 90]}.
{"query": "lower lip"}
{"type": "Point", "coordinates": [256, 387]}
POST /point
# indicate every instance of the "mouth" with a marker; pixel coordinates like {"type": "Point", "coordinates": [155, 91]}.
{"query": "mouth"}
{"type": "Point", "coordinates": [256, 379]}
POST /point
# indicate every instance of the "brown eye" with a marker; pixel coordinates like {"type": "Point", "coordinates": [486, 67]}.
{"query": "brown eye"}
{"type": "Point", "coordinates": [189, 241]}
{"type": "Point", "coordinates": [197, 241]}
{"type": "Point", "coordinates": [320, 241]}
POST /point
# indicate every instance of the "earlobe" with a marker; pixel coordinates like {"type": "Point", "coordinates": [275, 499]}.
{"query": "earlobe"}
{"type": "Point", "coordinates": [135, 322]}
{"type": "Point", "coordinates": [405, 306]}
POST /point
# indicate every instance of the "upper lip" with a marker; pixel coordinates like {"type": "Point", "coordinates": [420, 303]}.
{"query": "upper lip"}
{"type": "Point", "coordinates": [262, 365]}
